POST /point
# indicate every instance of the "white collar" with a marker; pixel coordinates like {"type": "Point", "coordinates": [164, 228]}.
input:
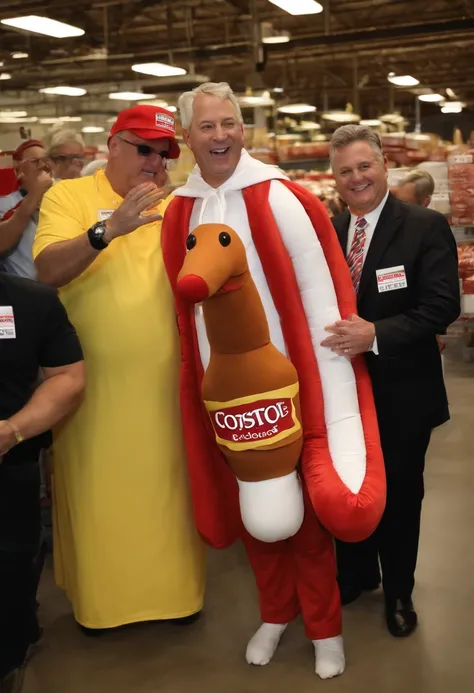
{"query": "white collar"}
{"type": "Point", "coordinates": [373, 216]}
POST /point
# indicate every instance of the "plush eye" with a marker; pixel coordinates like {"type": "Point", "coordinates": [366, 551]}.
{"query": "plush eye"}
{"type": "Point", "coordinates": [191, 242]}
{"type": "Point", "coordinates": [224, 239]}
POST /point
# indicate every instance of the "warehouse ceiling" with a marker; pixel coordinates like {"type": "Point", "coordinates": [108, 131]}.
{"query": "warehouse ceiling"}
{"type": "Point", "coordinates": [341, 55]}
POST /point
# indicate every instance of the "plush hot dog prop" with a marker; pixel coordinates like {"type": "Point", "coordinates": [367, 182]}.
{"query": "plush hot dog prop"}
{"type": "Point", "coordinates": [250, 390]}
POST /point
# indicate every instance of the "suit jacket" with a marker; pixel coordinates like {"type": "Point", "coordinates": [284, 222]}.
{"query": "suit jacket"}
{"type": "Point", "coordinates": [407, 376]}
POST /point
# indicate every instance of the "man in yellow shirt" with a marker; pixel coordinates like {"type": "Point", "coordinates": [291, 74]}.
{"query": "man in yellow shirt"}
{"type": "Point", "coordinates": [126, 549]}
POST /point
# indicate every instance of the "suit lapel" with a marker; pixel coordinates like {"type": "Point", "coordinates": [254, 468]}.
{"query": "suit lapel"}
{"type": "Point", "coordinates": [341, 224]}
{"type": "Point", "coordinates": [387, 226]}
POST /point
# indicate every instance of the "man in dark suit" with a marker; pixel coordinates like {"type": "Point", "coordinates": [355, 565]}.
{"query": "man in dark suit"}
{"type": "Point", "coordinates": [403, 263]}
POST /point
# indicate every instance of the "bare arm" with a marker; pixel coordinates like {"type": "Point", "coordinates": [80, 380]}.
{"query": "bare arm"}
{"type": "Point", "coordinates": [62, 262]}
{"type": "Point", "coordinates": [54, 399]}
{"type": "Point", "coordinates": [13, 228]}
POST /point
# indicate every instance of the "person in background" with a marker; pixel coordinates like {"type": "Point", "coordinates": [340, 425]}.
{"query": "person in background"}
{"type": "Point", "coordinates": [35, 334]}
{"type": "Point", "coordinates": [126, 547]}
{"type": "Point", "coordinates": [19, 210]}
{"type": "Point", "coordinates": [405, 275]}
{"type": "Point", "coordinates": [416, 188]}
{"type": "Point", "coordinates": [66, 154]}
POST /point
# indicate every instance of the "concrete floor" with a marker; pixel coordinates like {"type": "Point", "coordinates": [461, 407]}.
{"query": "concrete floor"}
{"type": "Point", "coordinates": [208, 657]}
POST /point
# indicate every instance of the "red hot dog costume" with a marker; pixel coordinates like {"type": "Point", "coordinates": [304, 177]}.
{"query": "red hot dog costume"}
{"type": "Point", "coordinates": [303, 281]}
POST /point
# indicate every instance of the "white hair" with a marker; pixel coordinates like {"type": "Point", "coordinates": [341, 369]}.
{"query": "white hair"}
{"type": "Point", "coordinates": [219, 89]}
{"type": "Point", "coordinates": [62, 136]}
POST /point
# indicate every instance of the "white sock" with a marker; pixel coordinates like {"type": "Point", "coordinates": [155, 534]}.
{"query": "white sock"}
{"type": "Point", "coordinates": [262, 646]}
{"type": "Point", "coordinates": [330, 660]}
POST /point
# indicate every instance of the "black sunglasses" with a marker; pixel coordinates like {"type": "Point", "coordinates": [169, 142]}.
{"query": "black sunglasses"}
{"type": "Point", "coordinates": [145, 149]}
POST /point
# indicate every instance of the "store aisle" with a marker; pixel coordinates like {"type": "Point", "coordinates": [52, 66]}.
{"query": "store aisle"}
{"type": "Point", "coordinates": [209, 656]}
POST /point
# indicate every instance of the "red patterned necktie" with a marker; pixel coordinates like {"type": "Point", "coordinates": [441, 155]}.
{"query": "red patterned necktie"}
{"type": "Point", "coordinates": [355, 259]}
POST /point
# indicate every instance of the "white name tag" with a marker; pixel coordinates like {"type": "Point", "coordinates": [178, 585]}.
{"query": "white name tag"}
{"type": "Point", "coordinates": [105, 214]}
{"type": "Point", "coordinates": [7, 323]}
{"type": "Point", "coordinates": [391, 279]}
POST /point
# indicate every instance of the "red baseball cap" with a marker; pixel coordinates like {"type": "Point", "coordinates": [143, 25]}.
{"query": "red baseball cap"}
{"type": "Point", "coordinates": [149, 123]}
{"type": "Point", "coordinates": [19, 151]}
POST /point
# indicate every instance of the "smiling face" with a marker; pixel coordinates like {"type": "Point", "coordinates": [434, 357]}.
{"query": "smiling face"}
{"type": "Point", "coordinates": [216, 138]}
{"type": "Point", "coordinates": [361, 176]}
{"type": "Point", "coordinates": [128, 166]}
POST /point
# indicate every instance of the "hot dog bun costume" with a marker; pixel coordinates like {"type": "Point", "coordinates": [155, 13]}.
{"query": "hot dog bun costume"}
{"type": "Point", "coordinates": [303, 282]}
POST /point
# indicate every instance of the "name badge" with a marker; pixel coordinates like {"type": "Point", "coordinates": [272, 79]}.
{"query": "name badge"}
{"type": "Point", "coordinates": [391, 279]}
{"type": "Point", "coordinates": [7, 323]}
{"type": "Point", "coordinates": [104, 214]}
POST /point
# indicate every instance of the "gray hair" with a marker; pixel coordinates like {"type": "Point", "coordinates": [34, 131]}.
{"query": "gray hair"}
{"type": "Point", "coordinates": [423, 182]}
{"type": "Point", "coordinates": [59, 138]}
{"type": "Point", "coordinates": [348, 134]}
{"type": "Point", "coordinates": [219, 89]}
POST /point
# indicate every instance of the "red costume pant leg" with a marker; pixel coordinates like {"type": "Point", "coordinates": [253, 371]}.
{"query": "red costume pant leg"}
{"type": "Point", "coordinates": [274, 572]}
{"type": "Point", "coordinates": [298, 574]}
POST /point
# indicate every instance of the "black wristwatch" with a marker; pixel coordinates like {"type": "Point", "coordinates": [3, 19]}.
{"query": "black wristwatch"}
{"type": "Point", "coordinates": [96, 236]}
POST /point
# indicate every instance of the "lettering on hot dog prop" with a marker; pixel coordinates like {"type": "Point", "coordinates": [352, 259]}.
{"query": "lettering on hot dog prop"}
{"type": "Point", "coordinates": [264, 420]}
{"type": "Point", "coordinates": [250, 390]}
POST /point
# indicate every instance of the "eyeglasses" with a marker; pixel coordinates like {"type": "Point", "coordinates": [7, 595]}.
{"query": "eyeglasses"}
{"type": "Point", "coordinates": [36, 162]}
{"type": "Point", "coordinates": [146, 150]}
{"type": "Point", "coordinates": [68, 157]}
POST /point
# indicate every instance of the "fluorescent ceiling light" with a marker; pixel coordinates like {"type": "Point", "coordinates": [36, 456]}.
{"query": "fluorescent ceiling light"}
{"type": "Point", "coordinates": [5, 75]}
{"type": "Point", "coordinates": [277, 37]}
{"type": "Point", "coordinates": [253, 101]}
{"type": "Point", "coordinates": [32, 119]}
{"type": "Point", "coordinates": [130, 96]}
{"type": "Point", "coordinates": [309, 125]}
{"type": "Point", "coordinates": [431, 98]}
{"type": "Point", "coordinates": [92, 129]}
{"type": "Point", "coordinates": [13, 114]}
{"type": "Point", "coordinates": [298, 6]}
{"type": "Point", "coordinates": [341, 117]}
{"type": "Point", "coordinates": [19, 56]}
{"type": "Point", "coordinates": [158, 69]}
{"type": "Point", "coordinates": [173, 109]}
{"type": "Point", "coordinates": [371, 122]}
{"type": "Point", "coordinates": [453, 107]}
{"type": "Point", "coordinates": [71, 119]}
{"type": "Point", "coordinates": [64, 91]}
{"type": "Point", "coordinates": [296, 108]}
{"type": "Point", "coordinates": [43, 25]}
{"type": "Point", "coordinates": [278, 90]}
{"type": "Point", "coordinates": [450, 93]}
{"type": "Point", "coordinates": [403, 80]}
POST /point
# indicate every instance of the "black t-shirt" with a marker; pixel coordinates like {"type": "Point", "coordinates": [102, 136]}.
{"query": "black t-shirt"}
{"type": "Point", "coordinates": [44, 338]}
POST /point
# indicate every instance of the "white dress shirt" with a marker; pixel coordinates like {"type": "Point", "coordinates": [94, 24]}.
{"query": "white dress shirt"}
{"type": "Point", "coordinates": [372, 219]}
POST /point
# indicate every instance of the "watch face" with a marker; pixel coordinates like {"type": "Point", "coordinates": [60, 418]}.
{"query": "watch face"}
{"type": "Point", "coordinates": [99, 229]}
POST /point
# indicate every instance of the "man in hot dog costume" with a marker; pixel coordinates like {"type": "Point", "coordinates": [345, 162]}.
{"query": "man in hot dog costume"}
{"type": "Point", "coordinates": [303, 282]}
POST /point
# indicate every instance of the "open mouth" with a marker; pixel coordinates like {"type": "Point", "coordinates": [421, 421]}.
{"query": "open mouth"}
{"type": "Point", "coordinates": [220, 152]}
{"type": "Point", "coordinates": [361, 188]}
{"type": "Point", "coordinates": [150, 174]}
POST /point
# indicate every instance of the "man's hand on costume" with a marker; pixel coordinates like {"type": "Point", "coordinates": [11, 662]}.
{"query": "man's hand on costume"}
{"type": "Point", "coordinates": [350, 337]}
